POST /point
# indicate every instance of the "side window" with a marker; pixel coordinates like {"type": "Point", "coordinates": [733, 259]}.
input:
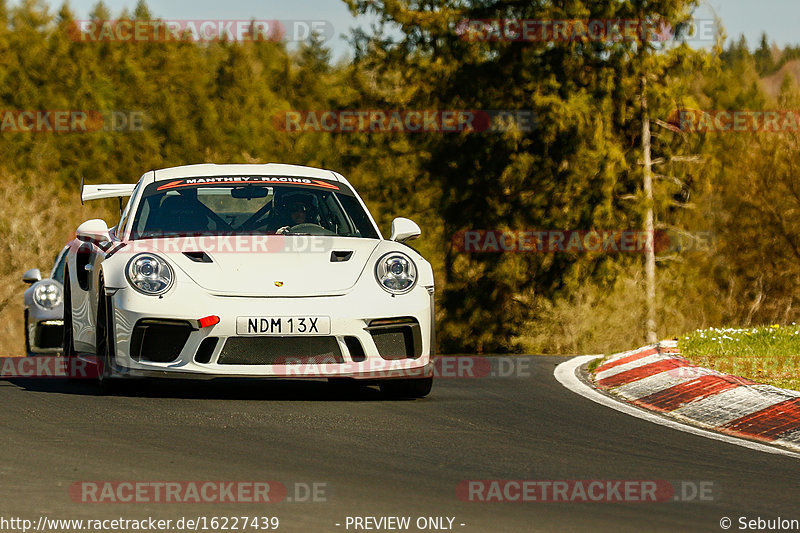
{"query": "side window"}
{"type": "Point", "coordinates": [363, 226]}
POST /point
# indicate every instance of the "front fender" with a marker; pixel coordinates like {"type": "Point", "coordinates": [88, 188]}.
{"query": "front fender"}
{"type": "Point", "coordinates": [113, 268]}
{"type": "Point", "coordinates": [83, 293]}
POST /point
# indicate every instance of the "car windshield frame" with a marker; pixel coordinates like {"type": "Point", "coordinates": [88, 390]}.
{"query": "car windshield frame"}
{"type": "Point", "coordinates": [57, 273]}
{"type": "Point", "coordinates": [208, 206]}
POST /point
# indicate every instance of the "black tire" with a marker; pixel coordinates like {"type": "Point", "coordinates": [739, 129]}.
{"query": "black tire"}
{"type": "Point", "coordinates": [28, 352]}
{"type": "Point", "coordinates": [67, 346]}
{"type": "Point", "coordinates": [104, 341]}
{"type": "Point", "coordinates": [407, 388]}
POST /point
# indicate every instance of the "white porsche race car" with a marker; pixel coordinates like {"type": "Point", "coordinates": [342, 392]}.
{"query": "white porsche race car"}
{"type": "Point", "coordinates": [252, 271]}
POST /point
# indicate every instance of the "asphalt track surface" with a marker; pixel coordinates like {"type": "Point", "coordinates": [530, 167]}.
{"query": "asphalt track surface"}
{"type": "Point", "coordinates": [377, 457]}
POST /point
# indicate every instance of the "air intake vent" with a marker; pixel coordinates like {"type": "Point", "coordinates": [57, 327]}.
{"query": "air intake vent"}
{"type": "Point", "coordinates": [396, 338]}
{"type": "Point", "coordinates": [206, 350]}
{"type": "Point", "coordinates": [160, 341]}
{"type": "Point", "coordinates": [198, 257]}
{"type": "Point", "coordinates": [356, 350]}
{"type": "Point", "coordinates": [49, 334]}
{"type": "Point", "coordinates": [341, 256]}
{"type": "Point", "coordinates": [394, 343]}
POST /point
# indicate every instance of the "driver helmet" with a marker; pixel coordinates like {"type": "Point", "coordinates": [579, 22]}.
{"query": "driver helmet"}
{"type": "Point", "coordinates": [300, 207]}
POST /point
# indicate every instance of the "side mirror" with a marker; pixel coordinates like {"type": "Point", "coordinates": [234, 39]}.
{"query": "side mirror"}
{"type": "Point", "coordinates": [404, 230]}
{"type": "Point", "coordinates": [32, 276]}
{"type": "Point", "coordinates": [93, 230]}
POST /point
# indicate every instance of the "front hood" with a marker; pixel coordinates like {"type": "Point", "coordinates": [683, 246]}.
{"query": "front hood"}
{"type": "Point", "coordinates": [268, 266]}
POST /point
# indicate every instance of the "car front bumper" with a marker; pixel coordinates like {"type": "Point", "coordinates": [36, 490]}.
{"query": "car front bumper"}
{"type": "Point", "coordinates": [45, 332]}
{"type": "Point", "coordinates": [398, 345]}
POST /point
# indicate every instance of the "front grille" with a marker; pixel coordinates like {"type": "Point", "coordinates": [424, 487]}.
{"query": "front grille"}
{"type": "Point", "coordinates": [49, 335]}
{"type": "Point", "coordinates": [159, 341]}
{"type": "Point", "coordinates": [280, 351]}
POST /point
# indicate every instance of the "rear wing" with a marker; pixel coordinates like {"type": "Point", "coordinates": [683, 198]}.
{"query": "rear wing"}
{"type": "Point", "coordinates": [109, 190]}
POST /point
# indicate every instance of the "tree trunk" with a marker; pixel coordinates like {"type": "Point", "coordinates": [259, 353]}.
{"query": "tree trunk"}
{"type": "Point", "coordinates": [650, 252]}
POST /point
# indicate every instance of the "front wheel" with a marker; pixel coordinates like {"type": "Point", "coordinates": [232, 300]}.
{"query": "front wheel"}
{"type": "Point", "coordinates": [407, 388]}
{"type": "Point", "coordinates": [105, 341]}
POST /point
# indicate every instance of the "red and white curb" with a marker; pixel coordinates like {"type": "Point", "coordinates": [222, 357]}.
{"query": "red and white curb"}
{"type": "Point", "coordinates": [655, 377]}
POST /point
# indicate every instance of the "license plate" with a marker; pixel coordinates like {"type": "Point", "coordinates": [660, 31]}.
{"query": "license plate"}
{"type": "Point", "coordinates": [283, 325]}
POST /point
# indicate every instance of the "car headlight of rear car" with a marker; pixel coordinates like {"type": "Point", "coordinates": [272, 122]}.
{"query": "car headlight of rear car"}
{"type": "Point", "coordinates": [47, 295]}
{"type": "Point", "coordinates": [396, 273]}
{"type": "Point", "coordinates": [149, 274]}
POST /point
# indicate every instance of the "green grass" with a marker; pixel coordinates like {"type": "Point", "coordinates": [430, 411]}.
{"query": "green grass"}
{"type": "Point", "coordinates": [593, 364]}
{"type": "Point", "coordinates": [766, 354]}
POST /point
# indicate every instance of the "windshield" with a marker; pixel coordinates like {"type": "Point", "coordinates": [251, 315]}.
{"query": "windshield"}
{"type": "Point", "coordinates": [250, 205]}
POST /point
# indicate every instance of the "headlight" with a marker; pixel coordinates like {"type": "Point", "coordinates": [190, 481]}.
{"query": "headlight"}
{"type": "Point", "coordinates": [396, 273]}
{"type": "Point", "coordinates": [47, 295]}
{"type": "Point", "coordinates": [149, 274]}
